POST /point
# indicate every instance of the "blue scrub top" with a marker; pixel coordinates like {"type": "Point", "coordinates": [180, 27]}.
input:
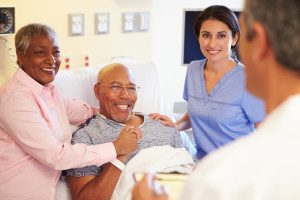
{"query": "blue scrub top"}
{"type": "Point", "coordinates": [228, 112]}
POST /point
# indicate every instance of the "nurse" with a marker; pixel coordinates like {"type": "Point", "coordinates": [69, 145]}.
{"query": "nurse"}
{"type": "Point", "coordinates": [220, 109]}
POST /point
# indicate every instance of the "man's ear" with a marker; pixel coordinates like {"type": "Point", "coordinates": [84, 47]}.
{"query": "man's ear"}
{"type": "Point", "coordinates": [96, 91]}
{"type": "Point", "coordinates": [260, 43]}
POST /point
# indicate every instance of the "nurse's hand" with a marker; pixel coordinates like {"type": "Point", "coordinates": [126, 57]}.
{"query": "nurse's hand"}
{"type": "Point", "coordinates": [142, 190]}
{"type": "Point", "coordinates": [165, 120]}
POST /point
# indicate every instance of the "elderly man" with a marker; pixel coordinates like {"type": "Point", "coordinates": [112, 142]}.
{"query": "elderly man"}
{"type": "Point", "coordinates": [117, 94]}
{"type": "Point", "coordinates": [264, 165]}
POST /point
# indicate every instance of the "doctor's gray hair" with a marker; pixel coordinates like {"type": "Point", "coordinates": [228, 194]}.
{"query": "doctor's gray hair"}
{"type": "Point", "coordinates": [280, 19]}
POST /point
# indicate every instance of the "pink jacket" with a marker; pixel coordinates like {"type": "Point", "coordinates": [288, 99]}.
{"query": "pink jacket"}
{"type": "Point", "coordinates": [35, 138]}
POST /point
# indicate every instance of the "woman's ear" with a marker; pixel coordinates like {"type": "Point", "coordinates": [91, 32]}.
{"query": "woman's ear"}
{"type": "Point", "coordinates": [20, 55]}
{"type": "Point", "coordinates": [235, 39]}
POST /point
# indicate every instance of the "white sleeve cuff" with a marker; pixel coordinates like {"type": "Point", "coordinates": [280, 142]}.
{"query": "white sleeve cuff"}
{"type": "Point", "coordinates": [118, 164]}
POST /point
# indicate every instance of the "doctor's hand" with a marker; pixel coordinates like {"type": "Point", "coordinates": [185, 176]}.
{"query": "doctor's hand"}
{"type": "Point", "coordinates": [142, 191]}
{"type": "Point", "coordinates": [165, 120]}
{"type": "Point", "coordinates": [127, 141]}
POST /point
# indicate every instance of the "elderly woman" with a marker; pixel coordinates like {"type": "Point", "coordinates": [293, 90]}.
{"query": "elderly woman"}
{"type": "Point", "coordinates": [34, 123]}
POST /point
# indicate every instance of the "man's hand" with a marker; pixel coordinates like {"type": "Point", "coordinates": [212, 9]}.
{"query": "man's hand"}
{"type": "Point", "coordinates": [123, 157]}
{"type": "Point", "coordinates": [127, 141]}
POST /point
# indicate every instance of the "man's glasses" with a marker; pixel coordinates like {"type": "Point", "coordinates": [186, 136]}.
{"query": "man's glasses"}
{"type": "Point", "coordinates": [132, 89]}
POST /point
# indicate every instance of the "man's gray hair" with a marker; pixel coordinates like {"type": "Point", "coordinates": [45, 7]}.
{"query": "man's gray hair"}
{"type": "Point", "coordinates": [281, 21]}
{"type": "Point", "coordinates": [26, 34]}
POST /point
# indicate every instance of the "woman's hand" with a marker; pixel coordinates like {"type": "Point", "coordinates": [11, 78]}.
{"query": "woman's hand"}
{"type": "Point", "coordinates": [142, 191]}
{"type": "Point", "coordinates": [165, 120]}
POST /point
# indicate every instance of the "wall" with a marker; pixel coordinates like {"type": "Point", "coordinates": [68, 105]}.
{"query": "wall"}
{"type": "Point", "coordinates": [7, 67]}
{"type": "Point", "coordinates": [103, 47]}
{"type": "Point", "coordinates": [167, 18]}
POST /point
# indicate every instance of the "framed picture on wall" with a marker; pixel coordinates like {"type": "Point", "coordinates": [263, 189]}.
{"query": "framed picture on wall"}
{"type": "Point", "coordinates": [7, 20]}
{"type": "Point", "coordinates": [143, 21]}
{"type": "Point", "coordinates": [102, 23]}
{"type": "Point", "coordinates": [76, 24]}
{"type": "Point", "coordinates": [129, 22]}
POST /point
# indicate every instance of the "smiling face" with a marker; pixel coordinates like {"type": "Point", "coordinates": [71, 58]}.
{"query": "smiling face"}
{"type": "Point", "coordinates": [41, 60]}
{"type": "Point", "coordinates": [215, 40]}
{"type": "Point", "coordinates": [114, 105]}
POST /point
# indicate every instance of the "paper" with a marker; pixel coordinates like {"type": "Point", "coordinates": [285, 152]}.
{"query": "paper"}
{"type": "Point", "coordinates": [174, 182]}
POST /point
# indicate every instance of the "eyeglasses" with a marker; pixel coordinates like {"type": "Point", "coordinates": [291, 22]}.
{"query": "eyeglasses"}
{"type": "Point", "coordinates": [118, 88]}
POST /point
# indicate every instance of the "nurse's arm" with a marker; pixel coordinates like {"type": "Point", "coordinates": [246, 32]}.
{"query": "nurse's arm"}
{"type": "Point", "coordinates": [257, 124]}
{"type": "Point", "coordinates": [184, 123]}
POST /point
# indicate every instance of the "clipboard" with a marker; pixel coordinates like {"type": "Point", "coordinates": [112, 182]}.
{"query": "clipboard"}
{"type": "Point", "coordinates": [173, 181]}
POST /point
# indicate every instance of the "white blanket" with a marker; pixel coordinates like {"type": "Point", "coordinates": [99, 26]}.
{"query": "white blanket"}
{"type": "Point", "coordinates": [154, 159]}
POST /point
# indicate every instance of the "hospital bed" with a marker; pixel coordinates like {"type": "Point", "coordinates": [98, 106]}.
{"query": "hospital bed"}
{"type": "Point", "coordinates": [79, 83]}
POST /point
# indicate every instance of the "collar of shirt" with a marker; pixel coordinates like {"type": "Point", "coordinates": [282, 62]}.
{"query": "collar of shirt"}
{"type": "Point", "coordinates": [29, 82]}
{"type": "Point", "coordinates": [140, 114]}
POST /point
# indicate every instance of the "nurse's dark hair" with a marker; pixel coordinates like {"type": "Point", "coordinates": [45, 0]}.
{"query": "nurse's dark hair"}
{"type": "Point", "coordinates": [27, 33]}
{"type": "Point", "coordinates": [220, 13]}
